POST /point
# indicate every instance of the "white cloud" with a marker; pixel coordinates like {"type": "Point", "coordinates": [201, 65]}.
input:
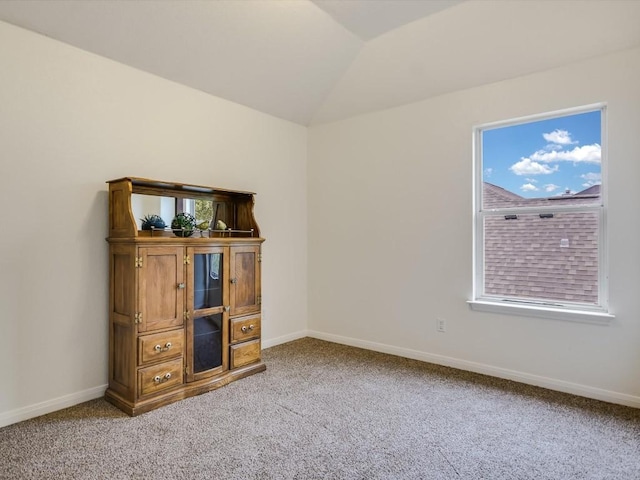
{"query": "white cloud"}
{"type": "Point", "coordinates": [553, 146]}
{"type": "Point", "coordinates": [586, 154]}
{"type": "Point", "coordinates": [526, 167]}
{"type": "Point", "coordinates": [488, 172]}
{"type": "Point", "coordinates": [560, 137]}
{"type": "Point", "coordinates": [529, 187]}
{"type": "Point", "coordinates": [531, 180]}
{"type": "Point", "coordinates": [550, 187]}
{"type": "Point", "coordinates": [592, 177]}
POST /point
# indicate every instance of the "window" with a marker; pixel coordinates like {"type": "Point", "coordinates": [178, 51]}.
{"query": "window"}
{"type": "Point", "coordinates": [202, 210]}
{"type": "Point", "coordinates": [539, 213]}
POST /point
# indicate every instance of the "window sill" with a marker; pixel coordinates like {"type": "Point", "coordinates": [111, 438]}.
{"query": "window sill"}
{"type": "Point", "coordinates": [582, 316]}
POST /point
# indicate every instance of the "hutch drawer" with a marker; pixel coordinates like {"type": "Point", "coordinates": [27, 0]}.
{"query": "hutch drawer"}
{"type": "Point", "coordinates": [245, 328]}
{"type": "Point", "coordinates": [245, 353]}
{"type": "Point", "coordinates": [160, 346]}
{"type": "Point", "coordinates": [160, 377]}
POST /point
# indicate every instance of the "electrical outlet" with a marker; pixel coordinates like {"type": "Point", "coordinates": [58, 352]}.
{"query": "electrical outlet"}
{"type": "Point", "coordinates": [441, 325]}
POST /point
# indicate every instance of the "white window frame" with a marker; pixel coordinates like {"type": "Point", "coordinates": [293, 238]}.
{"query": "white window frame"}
{"type": "Point", "coordinates": [535, 308]}
{"type": "Point", "coordinates": [189, 206]}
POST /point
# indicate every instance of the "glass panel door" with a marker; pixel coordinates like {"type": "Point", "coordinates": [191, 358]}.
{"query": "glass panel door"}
{"type": "Point", "coordinates": [207, 273]}
{"type": "Point", "coordinates": [207, 298]}
{"type": "Point", "coordinates": [207, 342]}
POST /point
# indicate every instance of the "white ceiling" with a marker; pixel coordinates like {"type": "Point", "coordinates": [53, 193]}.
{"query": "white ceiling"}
{"type": "Point", "coordinates": [371, 18]}
{"type": "Point", "coordinates": [313, 61]}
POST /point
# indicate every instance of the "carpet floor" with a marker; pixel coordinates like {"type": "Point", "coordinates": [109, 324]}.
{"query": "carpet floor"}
{"type": "Point", "coordinates": [328, 411]}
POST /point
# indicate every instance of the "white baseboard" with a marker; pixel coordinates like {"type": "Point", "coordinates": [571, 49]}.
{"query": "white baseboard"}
{"type": "Point", "coordinates": [272, 342]}
{"type": "Point", "coordinates": [529, 379]}
{"type": "Point", "coordinates": [42, 408]}
{"type": "Point", "coordinates": [32, 411]}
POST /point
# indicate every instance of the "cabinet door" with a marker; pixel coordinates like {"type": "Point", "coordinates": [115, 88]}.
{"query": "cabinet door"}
{"type": "Point", "coordinates": [207, 311]}
{"type": "Point", "coordinates": [161, 288]}
{"type": "Point", "coordinates": [244, 279]}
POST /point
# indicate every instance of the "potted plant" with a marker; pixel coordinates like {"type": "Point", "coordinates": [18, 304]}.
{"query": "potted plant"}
{"type": "Point", "coordinates": [154, 221]}
{"type": "Point", "coordinates": [183, 224]}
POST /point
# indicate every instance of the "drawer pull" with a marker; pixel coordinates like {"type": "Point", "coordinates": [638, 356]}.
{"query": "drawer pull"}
{"type": "Point", "coordinates": [251, 327]}
{"type": "Point", "coordinates": [159, 348]}
{"type": "Point", "coordinates": [181, 286]}
{"type": "Point", "coordinates": [160, 379]}
{"type": "Point", "coordinates": [244, 329]}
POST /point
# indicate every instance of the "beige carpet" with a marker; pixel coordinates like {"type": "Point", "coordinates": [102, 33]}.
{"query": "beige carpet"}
{"type": "Point", "coordinates": [326, 411]}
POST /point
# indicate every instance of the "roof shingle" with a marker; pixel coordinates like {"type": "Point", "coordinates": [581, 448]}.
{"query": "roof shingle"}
{"type": "Point", "coordinates": [539, 258]}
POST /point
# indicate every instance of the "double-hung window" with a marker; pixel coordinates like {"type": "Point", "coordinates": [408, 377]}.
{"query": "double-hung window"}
{"type": "Point", "coordinates": [539, 213]}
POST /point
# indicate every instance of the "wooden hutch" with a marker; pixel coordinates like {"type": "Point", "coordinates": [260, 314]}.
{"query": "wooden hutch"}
{"type": "Point", "coordinates": [184, 311]}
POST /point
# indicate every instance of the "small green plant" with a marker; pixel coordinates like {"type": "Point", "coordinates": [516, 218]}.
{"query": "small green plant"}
{"type": "Point", "coordinates": [154, 221]}
{"type": "Point", "coordinates": [183, 224]}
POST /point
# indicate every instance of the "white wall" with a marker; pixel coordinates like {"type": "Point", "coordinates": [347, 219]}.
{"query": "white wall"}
{"type": "Point", "coordinates": [389, 205]}
{"type": "Point", "coordinates": [390, 226]}
{"type": "Point", "coordinates": [69, 121]}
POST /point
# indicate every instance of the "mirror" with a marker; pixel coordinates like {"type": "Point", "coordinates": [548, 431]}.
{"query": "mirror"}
{"type": "Point", "coordinates": [142, 205]}
{"type": "Point", "coordinates": [167, 207]}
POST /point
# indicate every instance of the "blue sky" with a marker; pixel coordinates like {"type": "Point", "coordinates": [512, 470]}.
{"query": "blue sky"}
{"type": "Point", "coordinates": [546, 157]}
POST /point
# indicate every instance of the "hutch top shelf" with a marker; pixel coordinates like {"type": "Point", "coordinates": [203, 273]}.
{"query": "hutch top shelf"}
{"type": "Point", "coordinates": [233, 207]}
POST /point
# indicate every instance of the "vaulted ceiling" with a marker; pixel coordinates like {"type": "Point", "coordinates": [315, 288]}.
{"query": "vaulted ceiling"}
{"type": "Point", "coordinates": [314, 61]}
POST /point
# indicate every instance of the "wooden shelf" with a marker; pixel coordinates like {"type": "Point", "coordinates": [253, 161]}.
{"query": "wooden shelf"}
{"type": "Point", "coordinates": [234, 207]}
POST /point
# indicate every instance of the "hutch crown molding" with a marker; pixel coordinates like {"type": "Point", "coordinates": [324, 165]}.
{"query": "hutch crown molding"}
{"type": "Point", "coordinates": [184, 311]}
